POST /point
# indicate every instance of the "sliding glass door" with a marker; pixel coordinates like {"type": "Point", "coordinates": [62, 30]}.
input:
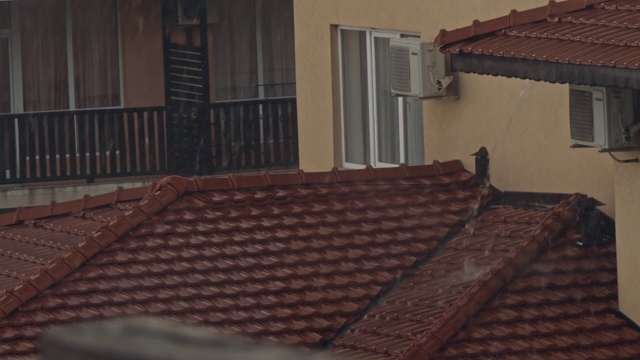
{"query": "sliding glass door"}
{"type": "Point", "coordinates": [374, 123]}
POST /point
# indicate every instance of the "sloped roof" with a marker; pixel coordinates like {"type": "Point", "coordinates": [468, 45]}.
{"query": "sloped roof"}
{"type": "Point", "coordinates": [372, 263]}
{"type": "Point", "coordinates": [593, 42]}
{"type": "Point", "coordinates": [288, 257]}
{"type": "Point", "coordinates": [36, 254]}
{"type": "Point", "coordinates": [422, 313]}
{"type": "Point", "coordinates": [563, 306]}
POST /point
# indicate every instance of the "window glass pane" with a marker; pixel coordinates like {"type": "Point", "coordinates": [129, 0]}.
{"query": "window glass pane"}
{"type": "Point", "coordinates": [278, 48]}
{"type": "Point", "coordinates": [234, 43]}
{"type": "Point", "coordinates": [95, 53]}
{"type": "Point", "coordinates": [414, 130]}
{"type": "Point", "coordinates": [5, 15]}
{"type": "Point", "coordinates": [386, 106]}
{"type": "Point", "coordinates": [355, 96]}
{"type": "Point", "coordinates": [44, 55]}
{"type": "Point", "coordinates": [5, 80]}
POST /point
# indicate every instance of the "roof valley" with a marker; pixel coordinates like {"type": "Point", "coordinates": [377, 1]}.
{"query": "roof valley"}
{"type": "Point", "coordinates": [483, 198]}
{"type": "Point", "coordinates": [461, 276]}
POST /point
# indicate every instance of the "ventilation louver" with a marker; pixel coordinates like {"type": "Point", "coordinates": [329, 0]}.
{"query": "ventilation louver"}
{"type": "Point", "coordinates": [581, 115]}
{"type": "Point", "coordinates": [418, 69]}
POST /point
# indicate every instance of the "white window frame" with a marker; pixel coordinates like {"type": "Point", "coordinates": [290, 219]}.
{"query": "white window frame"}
{"type": "Point", "coordinates": [16, 62]}
{"type": "Point", "coordinates": [370, 35]}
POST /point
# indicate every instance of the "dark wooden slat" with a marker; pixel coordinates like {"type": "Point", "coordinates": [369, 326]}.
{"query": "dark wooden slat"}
{"type": "Point", "coordinates": [266, 132]}
{"type": "Point", "coordinates": [184, 78]}
{"type": "Point", "coordinates": [275, 121]}
{"type": "Point", "coordinates": [102, 142]}
{"type": "Point", "coordinates": [187, 86]}
{"type": "Point", "coordinates": [161, 141]}
{"type": "Point", "coordinates": [31, 148]}
{"type": "Point", "coordinates": [186, 63]}
{"type": "Point", "coordinates": [257, 145]}
{"type": "Point", "coordinates": [132, 168]}
{"type": "Point", "coordinates": [185, 71]}
{"type": "Point", "coordinates": [294, 129]}
{"type": "Point", "coordinates": [111, 143]}
{"type": "Point", "coordinates": [142, 146]}
{"type": "Point", "coordinates": [55, 148]}
{"type": "Point", "coordinates": [180, 94]}
{"type": "Point", "coordinates": [234, 138]}
{"type": "Point", "coordinates": [71, 146]}
{"type": "Point", "coordinates": [23, 131]}
{"type": "Point", "coordinates": [151, 126]}
{"type": "Point", "coordinates": [5, 150]}
{"type": "Point", "coordinates": [174, 46]}
{"type": "Point", "coordinates": [121, 141]}
{"type": "Point", "coordinates": [217, 139]}
{"type": "Point", "coordinates": [286, 135]}
{"type": "Point", "coordinates": [91, 140]}
{"type": "Point", "coordinates": [12, 142]}
{"type": "Point", "coordinates": [52, 140]}
{"type": "Point", "coordinates": [82, 124]}
{"type": "Point", "coordinates": [246, 122]}
{"type": "Point", "coordinates": [40, 123]}
{"type": "Point", "coordinates": [194, 54]}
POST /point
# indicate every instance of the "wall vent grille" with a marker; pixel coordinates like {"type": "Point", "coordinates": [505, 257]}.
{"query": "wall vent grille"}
{"type": "Point", "coordinates": [399, 70]}
{"type": "Point", "coordinates": [581, 115]}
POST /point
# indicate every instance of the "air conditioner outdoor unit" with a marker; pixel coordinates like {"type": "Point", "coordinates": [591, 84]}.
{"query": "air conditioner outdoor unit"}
{"type": "Point", "coordinates": [188, 11]}
{"type": "Point", "coordinates": [417, 68]}
{"type": "Point", "coordinates": [603, 117]}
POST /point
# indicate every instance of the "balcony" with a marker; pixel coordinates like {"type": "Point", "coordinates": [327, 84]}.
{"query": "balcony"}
{"type": "Point", "coordinates": [246, 135]}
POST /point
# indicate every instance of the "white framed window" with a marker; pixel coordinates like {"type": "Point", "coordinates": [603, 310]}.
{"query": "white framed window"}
{"type": "Point", "coordinates": [377, 128]}
{"type": "Point", "coordinates": [62, 55]}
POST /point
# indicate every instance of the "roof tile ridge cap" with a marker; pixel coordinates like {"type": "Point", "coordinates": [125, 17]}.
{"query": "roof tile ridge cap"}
{"type": "Point", "coordinates": [490, 283]}
{"type": "Point", "coordinates": [167, 191]}
{"type": "Point", "coordinates": [447, 37]}
{"type": "Point", "coordinates": [48, 210]}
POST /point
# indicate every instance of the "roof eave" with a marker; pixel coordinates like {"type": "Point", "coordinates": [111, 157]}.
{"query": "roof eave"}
{"type": "Point", "coordinates": [553, 72]}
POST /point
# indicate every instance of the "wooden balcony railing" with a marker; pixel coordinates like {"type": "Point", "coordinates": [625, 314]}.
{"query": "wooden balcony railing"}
{"type": "Point", "coordinates": [90, 144]}
{"type": "Point", "coordinates": [255, 134]}
{"type": "Point", "coordinates": [67, 145]}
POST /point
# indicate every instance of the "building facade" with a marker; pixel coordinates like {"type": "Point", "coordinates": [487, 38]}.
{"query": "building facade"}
{"type": "Point", "coordinates": [524, 124]}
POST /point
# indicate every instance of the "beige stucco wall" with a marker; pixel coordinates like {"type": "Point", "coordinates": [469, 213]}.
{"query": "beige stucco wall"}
{"type": "Point", "coordinates": [524, 124]}
{"type": "Point", "coordinates": [628, 236]}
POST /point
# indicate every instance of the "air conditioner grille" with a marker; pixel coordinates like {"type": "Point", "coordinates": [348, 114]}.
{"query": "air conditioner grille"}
{"type": "Point", "coordinates": [581, 115]}
{"type": "Point", "coordinates": [399, 69]}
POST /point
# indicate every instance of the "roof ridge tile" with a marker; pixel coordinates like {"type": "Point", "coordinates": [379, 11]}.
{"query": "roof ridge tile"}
{"type": "Point", "coordinates": [231, 181]}
{"type": "Point", "coordinates": [86, 202]}
{"type": "Point", "coordinates": [322, 177]}
{"type": "Point", "coordinates": [514, 18]}
{"type": "Point", "coordinates": [348, 175]}
{"type": "Point", "coordinates": [476, 295]}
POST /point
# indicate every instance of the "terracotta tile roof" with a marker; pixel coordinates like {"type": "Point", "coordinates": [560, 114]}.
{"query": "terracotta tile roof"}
{"type": "Point", "coordinates": [424, 312]}
{"type": "Point", "coordinates": [289, 257]}
{"type": "Point", "coordinates": [580, 32]}
{"type": "Point", "coordinates": [364, 261]}
{"type": "Point", "coordinates": [563, 306]}
{"type": "Point", "coordinates": [37, 253]}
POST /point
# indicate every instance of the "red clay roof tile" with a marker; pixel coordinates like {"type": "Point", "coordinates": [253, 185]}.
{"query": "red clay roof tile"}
{"type": "Point", "coordinates": [453, 286]}
{"type": "Point", "coordinates": [300, 260]}
{"type": "Point", "coordinates": [244, 253]}
{"type": "Point", "coordinates": [592, 32]}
